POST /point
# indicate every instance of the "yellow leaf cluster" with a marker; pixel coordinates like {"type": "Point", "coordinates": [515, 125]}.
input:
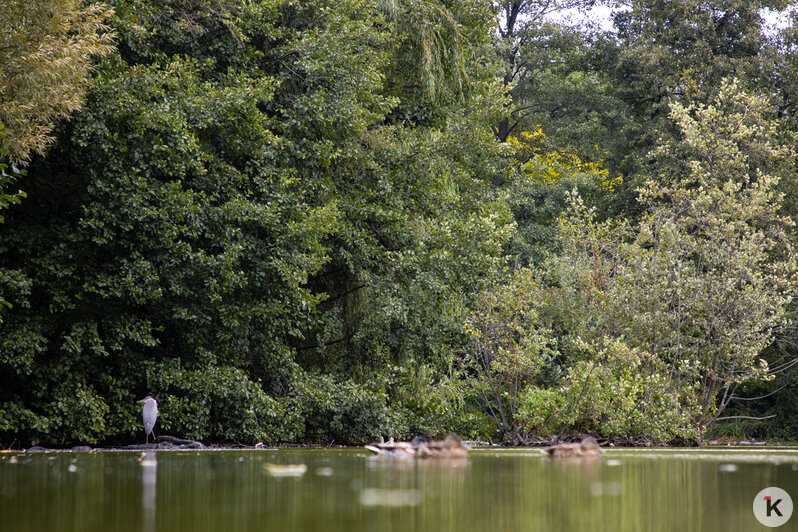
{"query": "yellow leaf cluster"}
{"type": "Point", "coordinates": [549, 167]}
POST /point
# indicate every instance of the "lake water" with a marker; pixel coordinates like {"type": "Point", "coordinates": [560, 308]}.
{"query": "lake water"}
{"type": "Point", "coordinates": [347, 490]}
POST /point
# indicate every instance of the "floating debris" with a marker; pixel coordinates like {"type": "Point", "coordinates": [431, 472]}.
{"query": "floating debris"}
{"type": "Point", "coordinates": [393, 498]}
{"type": "Point", "coordinates": [72, 468]}
{"type": "Point", "coordinates": [286, 470]}
{"type": "Point", "coordinates": [728, 468]}
{"type": "Point", "coordinates": [613, 462]}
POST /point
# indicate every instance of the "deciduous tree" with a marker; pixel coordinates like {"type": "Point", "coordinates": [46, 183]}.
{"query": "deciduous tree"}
{"type": "Point", "coordinates": [704, 280]}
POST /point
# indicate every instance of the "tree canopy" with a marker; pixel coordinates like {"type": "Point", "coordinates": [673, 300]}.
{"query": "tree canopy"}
{"type": "Point", "coordinates": [331, 221]}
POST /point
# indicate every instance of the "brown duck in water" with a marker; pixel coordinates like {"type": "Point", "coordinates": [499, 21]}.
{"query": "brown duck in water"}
{"type": "Point", "coordinates": [588, 448]}
{"type": "Point", "coordinates": [394, 449]}
{"type": "Point", "coordinates": [452, 447]}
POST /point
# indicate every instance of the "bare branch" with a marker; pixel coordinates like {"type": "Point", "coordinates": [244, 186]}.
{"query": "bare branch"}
{"type": "Point", "coordinates": [746, 417]}
{"type": "Point", "coordinates": [735, 398]}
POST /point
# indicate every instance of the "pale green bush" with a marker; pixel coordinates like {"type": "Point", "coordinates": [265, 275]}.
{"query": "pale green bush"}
{"type": "Point", "coordinates": [615, 391]}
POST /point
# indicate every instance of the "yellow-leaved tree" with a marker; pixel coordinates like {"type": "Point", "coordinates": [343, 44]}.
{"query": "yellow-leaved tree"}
{"type": "Point", "coordinates": [46, 48]}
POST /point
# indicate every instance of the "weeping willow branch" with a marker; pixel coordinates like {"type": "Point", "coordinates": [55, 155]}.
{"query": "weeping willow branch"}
{"type": "Point", "coordinates": [437, 41]}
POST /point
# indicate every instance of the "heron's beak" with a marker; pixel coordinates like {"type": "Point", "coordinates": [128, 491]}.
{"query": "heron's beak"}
{"type": "Point", "coordinates": [140, 401]}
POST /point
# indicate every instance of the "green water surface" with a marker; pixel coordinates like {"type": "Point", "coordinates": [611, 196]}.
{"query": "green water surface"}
{"type": "Point", "coordinates": [347, 490]}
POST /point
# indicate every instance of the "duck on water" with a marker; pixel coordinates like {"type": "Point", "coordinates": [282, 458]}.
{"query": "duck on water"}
{"type": "Point", "coordinates": [452, 447]}
{"type": "Point", "coordinates": [587, 448]}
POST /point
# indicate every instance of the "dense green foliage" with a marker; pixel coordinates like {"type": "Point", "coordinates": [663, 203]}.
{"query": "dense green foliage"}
{"type": "Point", "coordinates": [702, 280]}
{"type": "Point", "coordinates": [236, 205]}
{"type": "Point", "coordinates": [331, 221]}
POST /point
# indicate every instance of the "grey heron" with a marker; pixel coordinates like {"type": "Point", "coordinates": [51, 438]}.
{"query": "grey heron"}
{"type": "Point", "coordinates": [150, 414]}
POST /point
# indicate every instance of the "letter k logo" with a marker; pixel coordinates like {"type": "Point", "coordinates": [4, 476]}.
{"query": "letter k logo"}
{"type": "Point", "coordinates": [772, 506]}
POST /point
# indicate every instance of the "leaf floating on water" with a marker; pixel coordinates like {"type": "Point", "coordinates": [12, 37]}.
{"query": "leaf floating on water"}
{"type": "Point", "coordinates": [392, 498]}
{"type": "Point", "coordinates": [286, 470]}
{"type": "Point", "coordinates": [727, 468]}
{"type": "Point", "coordinates": [324, 471]}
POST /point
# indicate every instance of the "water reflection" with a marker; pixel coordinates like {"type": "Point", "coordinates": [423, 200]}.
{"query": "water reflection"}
{"type": "Point", "coordinates": [149, 481]}
{"type": "Point", "coordinates": [414, 463]}
{"type": "Point", "coordinates": [514, 490]}
{"type": "Point", "coordinates": [390, 497]}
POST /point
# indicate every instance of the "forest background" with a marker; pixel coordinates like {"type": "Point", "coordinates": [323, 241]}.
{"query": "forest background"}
{"type": "Point", "coordinates": [330, 221]}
